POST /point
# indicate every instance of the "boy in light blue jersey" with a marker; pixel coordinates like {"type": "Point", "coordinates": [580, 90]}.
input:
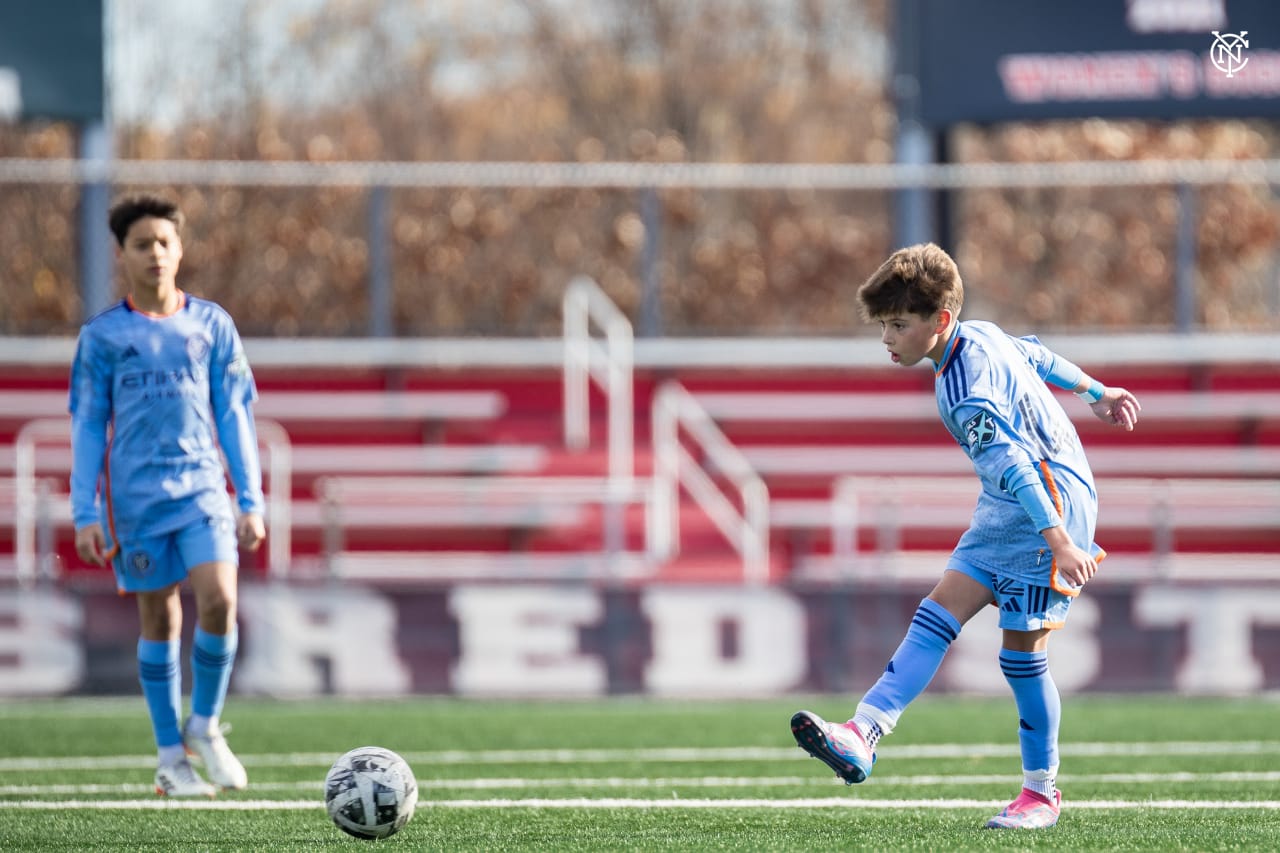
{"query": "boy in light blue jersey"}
{"type": "Point", "coordinates": [160, 380]}
{"type": "Point", "coordinates": [1029, 548]}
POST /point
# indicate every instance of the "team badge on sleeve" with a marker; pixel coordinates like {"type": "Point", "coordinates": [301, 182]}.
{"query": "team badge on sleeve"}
{"type": "Point", "coordinates": [238, 367]}
{"type": "Point", "coordinates": [979, 430]}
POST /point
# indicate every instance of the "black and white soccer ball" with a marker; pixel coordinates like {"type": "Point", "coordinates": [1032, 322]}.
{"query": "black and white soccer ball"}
{"type": "Point", "coordinates": [370, 792]}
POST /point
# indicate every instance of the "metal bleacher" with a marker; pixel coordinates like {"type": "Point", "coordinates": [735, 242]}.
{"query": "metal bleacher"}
{"type": "Point", "coordinates": [697, 469]}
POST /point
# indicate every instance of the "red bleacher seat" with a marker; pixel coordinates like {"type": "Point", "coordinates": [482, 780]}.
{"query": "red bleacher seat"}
{"type": "Point", "coordinates": [809, 428]}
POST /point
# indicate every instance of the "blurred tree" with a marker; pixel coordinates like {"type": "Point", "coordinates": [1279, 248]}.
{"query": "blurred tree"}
{"type": "Point", "coordinates": [754, 81]}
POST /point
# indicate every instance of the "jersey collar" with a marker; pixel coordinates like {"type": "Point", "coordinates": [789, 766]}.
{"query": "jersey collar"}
{"type": "Point", "coordinates": [182, 303]}
{"type": "Point", "coordinates": [941, 366]}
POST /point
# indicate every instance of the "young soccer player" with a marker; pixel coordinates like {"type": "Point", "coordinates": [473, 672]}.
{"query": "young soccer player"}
{"type": "Point", "coordinates": [159, 381]}
{"type": "Point", "coordinates": [1029, 548]}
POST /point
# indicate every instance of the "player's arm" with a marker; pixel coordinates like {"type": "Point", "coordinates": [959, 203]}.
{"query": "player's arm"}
{"type": "Point", "coordinates": [88, 450]}
{"type": "Point", "coordinates": [90, 407]}
{"type": "Point", "coordinates": [232, 392]}
{"type": "Point", "coordinates": [1111, 405]}
{"type": "Point", "coordinates": [1116, 406]}
{"type": "Point", "coordinates": [1000, 460]}
{"type": "Point", "coordinates": [1075, 565]}
{"type": "Point", "coordinates": [240, 444]}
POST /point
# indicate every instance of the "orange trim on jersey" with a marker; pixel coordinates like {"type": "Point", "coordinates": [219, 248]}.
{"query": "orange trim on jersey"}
{"type": "Point", "coordinates": [946, 355]}
{"type": "Point", "coordinates": [1051, 486]}
{"type": "Point", "coordinates": [182, 300]}
{"type": "Point", "coordinates": [106, 503]}
{"type": "Point", "coordinates": [1056, 497]}
{"type": "Point", "coordinates": [114, 550]}
{"type": "Point", "coordinates": [1053, 626]}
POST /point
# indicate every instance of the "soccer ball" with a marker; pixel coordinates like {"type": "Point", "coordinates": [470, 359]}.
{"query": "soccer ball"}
{"type": "Point", "coordinates": [370, 792]}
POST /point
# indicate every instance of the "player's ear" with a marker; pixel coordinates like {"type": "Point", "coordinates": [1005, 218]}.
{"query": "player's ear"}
{"type": "Point", "coordinates": [942, 321]}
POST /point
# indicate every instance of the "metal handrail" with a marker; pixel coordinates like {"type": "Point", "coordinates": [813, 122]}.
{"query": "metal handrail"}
{"type": "Point", "coordinates": [610, 366]}
{"type": "Point", "coordinates": [748, 530]}
{"type": "Point", "coordinates": [273, 436]}
{"type": "Point", "coordinates": [31, 516]}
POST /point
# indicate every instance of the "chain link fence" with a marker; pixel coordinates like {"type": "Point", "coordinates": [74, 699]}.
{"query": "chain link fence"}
{"type": "Point", "coordinates": [444, 249]}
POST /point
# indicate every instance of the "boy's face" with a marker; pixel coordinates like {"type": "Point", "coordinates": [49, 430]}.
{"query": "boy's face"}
{"type": "Point", "coordinates": [910, 337]}
{"type": "Point", "coordinates": [151, 253]}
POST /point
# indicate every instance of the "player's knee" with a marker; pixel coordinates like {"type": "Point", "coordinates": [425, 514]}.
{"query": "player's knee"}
{"type": "Point", "coordinates": [216, 609]}
{"type": "Point", "coordinates": [217, 615]}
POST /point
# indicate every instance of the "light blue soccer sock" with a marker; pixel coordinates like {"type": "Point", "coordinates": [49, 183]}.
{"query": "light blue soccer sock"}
{"type": "Point", "coordinates": [161, 679]}
{"type": "Point", "coordinates": [909, 672]}
{"type": "Point", "coordinates": [1039, 713]}
{"type": "Point", "coordinates": [212, 656]}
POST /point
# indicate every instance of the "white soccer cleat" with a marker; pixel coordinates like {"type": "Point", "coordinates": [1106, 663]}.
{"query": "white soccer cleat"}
{"type": "Point", "coordinates": [224, 769]}
{"type": "Point", "coordinates": [180, 779]}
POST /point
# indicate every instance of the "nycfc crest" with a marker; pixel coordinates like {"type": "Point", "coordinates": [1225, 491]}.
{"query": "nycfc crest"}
{"type": "Point", "coordinates": [1227, 52]}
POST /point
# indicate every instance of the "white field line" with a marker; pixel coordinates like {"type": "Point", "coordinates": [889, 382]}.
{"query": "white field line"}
{"type": "Point", "coordinates": [611, 803]}
{"type": "Point", "coordinates": [674, 782]}
{"type": "Point", "coordinates": [666, 755]}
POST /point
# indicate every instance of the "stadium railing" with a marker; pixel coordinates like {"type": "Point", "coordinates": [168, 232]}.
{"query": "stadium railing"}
{"type": "Point", "coordinates": [431, 408]}
{"type": "Point", "coordinates": [610, 365]}
{"type": "Point", "coordinates": [827, 460]}
{"type": "Point", "coordinates": [1186, 175]}
{"type": "Point", "coordinates": [891, 506]}
{"type": "Point", "coordinates": [925, 566]}
{"type": "Point", "coordinates": [492, 502]}
{"type": "Point", "coordinates": [41, 504]}
{"type": "Point", "coordinates": [32, 508]}
{"type": "Point", "coordinates": [785, 406]}
{"type": "Point", "coordinates": [676, 412]}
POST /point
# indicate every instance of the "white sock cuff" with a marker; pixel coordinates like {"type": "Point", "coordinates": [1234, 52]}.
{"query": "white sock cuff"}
{"type": "Point", "coordinates": [1043, 782]}
{"type": "Point", "coordinates": [201, 723]}
{"type": "Point", "coordinates": [883, 719]}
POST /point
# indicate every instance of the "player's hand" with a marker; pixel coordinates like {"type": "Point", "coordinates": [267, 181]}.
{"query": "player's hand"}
{"type": "Point", "coordinates": [1117, 407]}
{"type": "Point", "coordinates": [250, 531]}
{"type": "Point", "coordinates": [90, 541]}
{"type": "Point", "coordinates": [1075, 567]}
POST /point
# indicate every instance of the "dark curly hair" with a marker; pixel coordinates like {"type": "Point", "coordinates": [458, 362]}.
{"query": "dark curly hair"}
{"type": "Point", "coordinates": [130, 209]}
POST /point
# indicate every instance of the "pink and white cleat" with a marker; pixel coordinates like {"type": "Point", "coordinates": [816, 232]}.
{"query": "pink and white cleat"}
{"type": "Point", "coordinates": [838, 745]}
{"type": "Point", "coordinates": [1029, 811]}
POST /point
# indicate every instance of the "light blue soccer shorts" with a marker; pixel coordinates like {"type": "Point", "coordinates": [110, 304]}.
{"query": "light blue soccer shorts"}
{"type": "Point", "coordinates": [1023, 606]}
{"type": "Point", "coordinates": [159, 561]}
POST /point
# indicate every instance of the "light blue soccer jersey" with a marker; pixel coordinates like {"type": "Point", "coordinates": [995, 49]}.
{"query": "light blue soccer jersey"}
{"type": "Point", "coordinates": [993, 399]}
{"type": "Point", "coordinates": [170, 388]}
